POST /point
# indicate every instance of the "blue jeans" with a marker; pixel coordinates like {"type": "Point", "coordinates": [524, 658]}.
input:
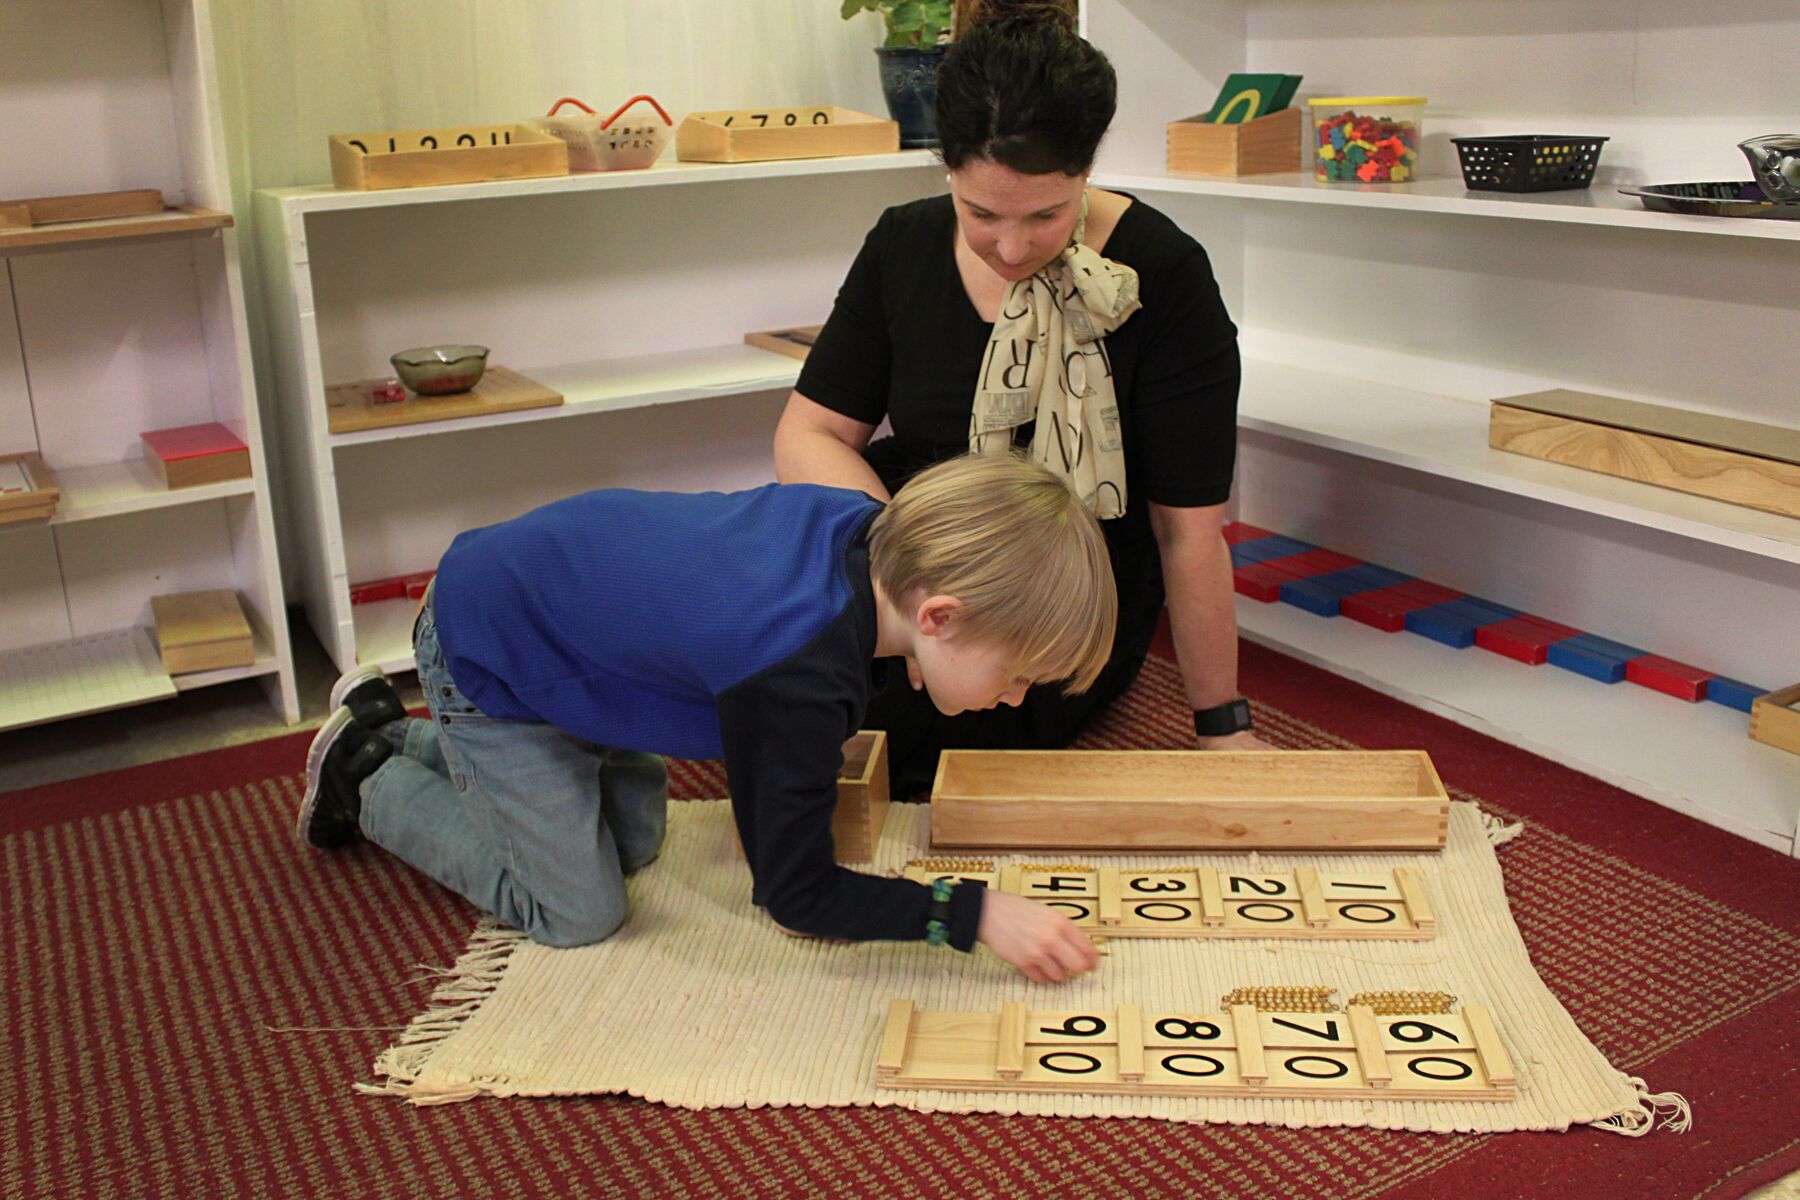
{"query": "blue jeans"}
{"type": "Point", "coordinates": [532, 824]}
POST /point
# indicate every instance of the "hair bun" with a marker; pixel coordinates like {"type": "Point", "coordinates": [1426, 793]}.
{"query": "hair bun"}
{"type": "Point", "coordinates": [971, 13]}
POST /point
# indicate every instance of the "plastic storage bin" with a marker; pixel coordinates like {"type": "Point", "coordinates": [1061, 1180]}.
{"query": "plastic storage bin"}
{"type": "Point", "coordinates": [1367, 139]}
{"type": "Point", "coordinates": [1528, 162]}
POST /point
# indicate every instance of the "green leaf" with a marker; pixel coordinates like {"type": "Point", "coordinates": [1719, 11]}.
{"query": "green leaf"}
{"type": "Point", "coordinates": [852, 7]}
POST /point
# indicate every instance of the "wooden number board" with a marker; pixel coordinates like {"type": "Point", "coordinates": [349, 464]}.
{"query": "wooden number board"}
{"type": "Point", "coordinates": [1241, 1051]}
{"type": "Point", "coordinates": [1208, 902]}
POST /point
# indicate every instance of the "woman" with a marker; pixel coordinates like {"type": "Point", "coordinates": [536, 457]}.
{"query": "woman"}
{"type": "Point", "coordinates": [1027, 309]}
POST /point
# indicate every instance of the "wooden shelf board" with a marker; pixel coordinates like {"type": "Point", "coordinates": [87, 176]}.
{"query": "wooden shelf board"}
{"type": "Point", "coordinates": [1695, 758]}
{"type": "Point", "coordinates": [1447, 436]}
{"type": "Point", "coordinates": [1601, 204]}
{"type": "Point", "coordinates": [611, 385]}
{"type": "Point", "coordinates": [113, 489]}
{"type": "Point", "coordinates": [186, 221]}
{"type": "Point", "coordinates": [666, 172]}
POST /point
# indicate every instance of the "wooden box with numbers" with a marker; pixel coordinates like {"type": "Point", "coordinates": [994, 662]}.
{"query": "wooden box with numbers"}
{"type": "Point", "coordinates": [1188, 800]}
{"type": "Point", "coordinates": [759, 134]}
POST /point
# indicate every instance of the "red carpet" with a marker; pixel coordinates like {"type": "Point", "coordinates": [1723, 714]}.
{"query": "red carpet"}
{"type": "Point", "coordinates": [188, 1000]}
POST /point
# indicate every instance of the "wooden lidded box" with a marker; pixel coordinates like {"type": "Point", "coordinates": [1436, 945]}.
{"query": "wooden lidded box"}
{"type": "Point", "coordinates": [753, 135]}
{"type": "Point", "coordinates": [202, 631]}
{"type": "Point", "coordinates": [1775, 719]}
{"type": "Point", "coordinates": [192, 455]}
{"type": "Point", "coordinates": [862, 799]}
{"type": "Point", "coordinates": [1263, 146]}
{"type": "Point", "coordinates": [431, 157]}
{"type": "Point", "coordinates": [1188, 800]}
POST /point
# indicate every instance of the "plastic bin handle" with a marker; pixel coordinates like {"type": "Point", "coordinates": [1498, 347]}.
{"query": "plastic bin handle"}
{"type": "Point", "coordinates": [568, 100]}
{"type": "Point", "coordinates": [660, 110]}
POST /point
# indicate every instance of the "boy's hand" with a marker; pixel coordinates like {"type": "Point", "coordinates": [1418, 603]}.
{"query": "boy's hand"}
{"type": "Point", "coordinates": [1038, 940]}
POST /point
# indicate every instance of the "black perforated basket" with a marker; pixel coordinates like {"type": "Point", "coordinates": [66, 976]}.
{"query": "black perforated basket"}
{"type": "Point", "coordinates": [1527, 162]}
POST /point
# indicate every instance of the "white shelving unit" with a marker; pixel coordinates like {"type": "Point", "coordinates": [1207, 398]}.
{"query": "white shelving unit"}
{"type": "Point", "coordinates": [1378, 321]}
{"type": "Point", "coordinates": [628, 292]}
{"type": "Point", "coordinates": [111, 328]}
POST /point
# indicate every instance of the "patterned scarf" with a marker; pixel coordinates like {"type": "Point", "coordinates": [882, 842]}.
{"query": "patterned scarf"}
{"type": "Point", "coordinates": [1067, 309]}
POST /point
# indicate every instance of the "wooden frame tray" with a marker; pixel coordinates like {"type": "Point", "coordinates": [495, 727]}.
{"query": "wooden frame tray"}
{"type": "Point", "coordinates": [759, 134]}
{"type": "Point", "coordinates": [1158, 800]}
{"type": "Point", "coordinates": [349, 409]}
{"type": "Point", "coordinates": [38, 503]}
{"type": "Point", "coordinates": [432, 157]}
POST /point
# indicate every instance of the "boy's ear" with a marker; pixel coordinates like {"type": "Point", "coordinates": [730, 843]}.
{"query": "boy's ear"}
{"type": "Point", "coordinates": [935, 614]}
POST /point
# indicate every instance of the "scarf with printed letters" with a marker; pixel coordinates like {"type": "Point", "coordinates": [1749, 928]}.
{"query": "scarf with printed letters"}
{"type": "Point", "coordinates": [1067, 308]}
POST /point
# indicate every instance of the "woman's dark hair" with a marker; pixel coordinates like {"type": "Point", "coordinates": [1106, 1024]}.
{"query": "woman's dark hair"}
{"type": "Point", "coordinates": [1021, 88]}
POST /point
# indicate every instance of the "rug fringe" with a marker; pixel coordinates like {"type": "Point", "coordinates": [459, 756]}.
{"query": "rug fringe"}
{"type": "Point", "coordinates": [1640, 1118]}
{"type": "Point", "coordinates": [467, 983]}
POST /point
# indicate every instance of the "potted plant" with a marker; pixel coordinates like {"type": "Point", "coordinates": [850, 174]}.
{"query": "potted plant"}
{"type": "Point", "coordinates": [917, 33]}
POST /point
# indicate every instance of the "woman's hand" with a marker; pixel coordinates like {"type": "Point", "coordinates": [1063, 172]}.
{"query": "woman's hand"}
{"type": "Point", "coordinates": [1041, 942]}
{"type": "Point", "coordinates": [1242, 740]}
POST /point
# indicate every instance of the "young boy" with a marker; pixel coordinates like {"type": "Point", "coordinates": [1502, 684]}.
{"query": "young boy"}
{"type": "Point", "coordinates": [563, 652]}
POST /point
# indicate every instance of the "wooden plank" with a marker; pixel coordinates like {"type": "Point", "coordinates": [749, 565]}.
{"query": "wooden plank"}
{"type": "Point", "coordinates": [1009, 1058]}
{"type": "Point", "coordinates": [1678, 424]}
{"type": "Point", "coordinates": [1312, 900]}
{"type": "Point", "coordinates": [1494, 1059]}
{"type": "Point", "coordinates": [1186, 800]}
{"type": "Point", "coordinates": [1012, 879]}
{"type": "Point", "coordinates": [1128, 1027]}
{"type": "Point", "coordinates": [1111, 909]}
{"type": "Point", "coordinates": [1212, 901]}
{"type": "Point", "coordinates": [1247, 1032]}
{"type": "Point", "coordinates": [892, 1055]}
{"type": "Point", "coordinates": [349, 409]}
{"type": "Point", "coordinates": [172, 222]}
{"type": "Point", "coordinates": [1766, 484]}
{"type": "Point", "coordinates": [14, 215]}
{"type": "Point", "coordinates": [1369, 1052]}
{"type": "Point", "coordinates": [1412, 891]}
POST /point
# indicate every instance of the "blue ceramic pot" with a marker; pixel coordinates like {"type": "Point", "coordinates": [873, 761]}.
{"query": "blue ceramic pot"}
{"type": "Point", "coordinates": [909, 77]}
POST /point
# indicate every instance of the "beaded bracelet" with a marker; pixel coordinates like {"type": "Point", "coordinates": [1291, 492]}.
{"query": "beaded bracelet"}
{"type": "Point", "coordinates": [937, 929]}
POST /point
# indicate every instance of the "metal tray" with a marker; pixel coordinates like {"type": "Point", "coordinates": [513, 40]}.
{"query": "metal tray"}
{"type": "Point", "coordinates": [1730, 198]}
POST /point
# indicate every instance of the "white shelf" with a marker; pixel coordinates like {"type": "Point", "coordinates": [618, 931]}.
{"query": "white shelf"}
{"type": "Point", "coordinates": [112, 489]}
{"type": "Point", "coordinates": [666, 172]}
{"type": "Point", "coordinates": [265, 664]}
{"type": "Point", "coordinates": [1599, 205]}
{"type": "Point", "coordinates": [612, 385]}
{"type": "Point", "coordinates": [384, 633]}
{"type": "Point", "coordinates": [1447, 436]}
{"type": "Point", "coordinates": [81, 675]}
{"type": "Point", "coordinates": [1695, 758]}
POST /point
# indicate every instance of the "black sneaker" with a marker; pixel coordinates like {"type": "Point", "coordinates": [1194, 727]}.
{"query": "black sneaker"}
{"type": "Point", "coordinates": [342, 755]}
{"type": "Point", "coordinates": [372, 700]}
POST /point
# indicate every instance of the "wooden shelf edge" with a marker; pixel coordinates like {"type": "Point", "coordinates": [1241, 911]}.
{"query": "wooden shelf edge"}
{"type": "Point", "coordinates": [187, 220]}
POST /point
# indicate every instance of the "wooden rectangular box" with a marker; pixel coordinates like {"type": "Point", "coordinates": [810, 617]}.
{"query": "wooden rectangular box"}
{"type": "Point", "coordinates": [757, 134]}
{"type": "Point", "coordinates": [191, 455]}
{"type": "Point", "coordinates": [862, 799]}
{"type": "Point", "coordinates": [1775, 719]}
{"type": "Point", "coordinates": [28, 490]}
{"type": "Point", "coordinates": [1738, 462]}
{"type": "Point", "coordinates": [1261, 147]}
{"type": "Point", "coordinates": [432, 157]}
{"type": "Point", "coordinates": [202, 631]}
{"type": "Point", "coordinates": [1188, 800]}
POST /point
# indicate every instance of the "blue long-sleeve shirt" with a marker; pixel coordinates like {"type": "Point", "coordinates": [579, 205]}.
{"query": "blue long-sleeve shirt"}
{"type": "Point", "coordinates": [721, 625]}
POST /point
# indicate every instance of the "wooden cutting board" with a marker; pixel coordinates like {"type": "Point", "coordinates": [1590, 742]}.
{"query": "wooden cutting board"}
{"type": "Point", "coordinates": [349, 409]}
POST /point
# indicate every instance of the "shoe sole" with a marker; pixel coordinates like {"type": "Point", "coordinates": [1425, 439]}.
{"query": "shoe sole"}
{"type": "Point", "coordinates": [335, 724]}
{"type": "Point", "coordinates": [351, 680]}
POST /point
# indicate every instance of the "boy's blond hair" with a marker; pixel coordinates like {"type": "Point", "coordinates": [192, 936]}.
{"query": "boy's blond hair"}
{"type": "Point", "coordinates": [1018, 548]}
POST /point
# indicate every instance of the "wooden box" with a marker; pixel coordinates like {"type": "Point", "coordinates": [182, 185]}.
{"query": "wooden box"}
{"type": "Point", "coordinates": [795, 343]}
{"type": "Point", "coordinates": [1188, 800]}
{"type": "Point", "coordinates": [87, 206]}
{"type": "Point", "coordinates": [431, 157]}
{"type": "Point", "coordinates": [28, 490]}
{"type": "Point", "coordinates": [191, 455]}
{"type": "Point", "coordinates": [756, 134]}
{"type": "Point", "coordinates": [202, 631]}
{"type": "Point", "coordinates": [1738, 462]}
{"type": "Point", "coordinates": [1775, 719]}
{"type": "Point", "coordinates": [1261, 147]}
{"type": "Point", "coordinates": [862, 799]}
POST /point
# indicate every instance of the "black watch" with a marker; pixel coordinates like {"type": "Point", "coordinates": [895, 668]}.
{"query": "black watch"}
{"type": "Point", "coordinates": [1233, 716]}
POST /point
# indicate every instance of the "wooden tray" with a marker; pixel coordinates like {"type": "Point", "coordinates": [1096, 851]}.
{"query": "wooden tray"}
{"type": "Point", "coordinates": [89, 206]}
{"type": "Point", "coordinates": [795, 343]}
{"type": "Point", "coordinates": [1738, 462]}
{"type": "Point", "coordinates": [1196, 146]}
{"type": "Point", "coordinates": [348, 408]}
{"type": "Point", "coordinates": [1188, 800]}
{"type": "Point", "coordinates": [1775, 719]}
{"type": "Point", "coordinates": [431, 157]}
{"type": "Point", "coordinates": [37, 504]}
{"type": "Point", "coordinates": [755, 134]}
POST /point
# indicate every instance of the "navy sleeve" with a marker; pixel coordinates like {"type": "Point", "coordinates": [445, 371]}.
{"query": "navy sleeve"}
{"type": "Point", "coordinates": [783, 731]}
{"type": "Point", "coordinates": [1185, 404]}
{"type": "Point", "coordinates": [847, 368]}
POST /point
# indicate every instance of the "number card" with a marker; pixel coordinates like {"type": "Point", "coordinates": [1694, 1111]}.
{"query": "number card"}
{"type": "Point", "coordinates": [1241, 1052]}
{"type": "Point", "coordinates": [1207, 902]}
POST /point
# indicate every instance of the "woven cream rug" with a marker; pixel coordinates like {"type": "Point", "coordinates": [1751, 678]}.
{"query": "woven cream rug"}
{"type": "Point", "coordinates": [700, 1003]}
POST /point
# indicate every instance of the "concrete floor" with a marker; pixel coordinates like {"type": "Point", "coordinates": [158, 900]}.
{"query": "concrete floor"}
{"type": "Point", "coordinates": [227, 716]}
